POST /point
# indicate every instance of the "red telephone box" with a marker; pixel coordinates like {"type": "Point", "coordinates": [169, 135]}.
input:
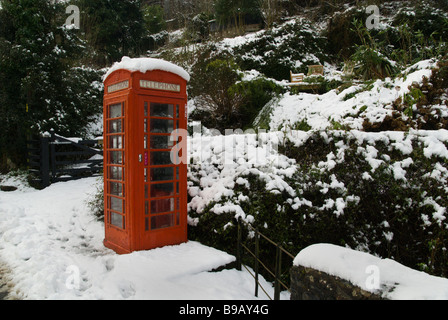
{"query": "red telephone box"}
{"type": "Point", "coordinates": [145, 193]}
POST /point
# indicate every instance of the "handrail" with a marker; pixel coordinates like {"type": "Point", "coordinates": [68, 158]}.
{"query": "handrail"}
{"type": "Point", "coordinates": [277, 271]}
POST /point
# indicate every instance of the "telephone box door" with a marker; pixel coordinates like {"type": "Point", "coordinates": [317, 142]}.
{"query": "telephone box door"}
{"type": "Point", "coordinates": [162, 182]}
{"type": "Point", "coordinates": [117, 219]}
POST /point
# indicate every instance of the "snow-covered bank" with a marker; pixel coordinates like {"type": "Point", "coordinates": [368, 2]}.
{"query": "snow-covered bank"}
{"type": "Point", "coordinates": [349, 107]}
{"type": "Point", "coordinates": [53, 247]}
{"type": "Point", "coordinates": [391, 279]}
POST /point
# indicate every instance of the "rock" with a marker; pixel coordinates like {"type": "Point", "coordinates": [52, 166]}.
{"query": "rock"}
{"type": "Point", "coordinates": [310, 284]}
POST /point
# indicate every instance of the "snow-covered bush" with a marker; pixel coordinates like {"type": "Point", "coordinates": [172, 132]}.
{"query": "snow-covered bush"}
{"type": "Point", "coordinates": [256, 93]}
{"type": "Point", "coordinates": [291, 46]}
{"type": "Point", "coordinates": [96, 200]}
{"type": "Point", "coordinates": [370, 192]}
{"type": "Point", "coordinates": [371, 64]}
{"type": "Point", "coordinates": [423, 106]}
{"type": "Point", "coordinates": [231, 100]}
{"type": "Point", "coordinates": [367, 191]}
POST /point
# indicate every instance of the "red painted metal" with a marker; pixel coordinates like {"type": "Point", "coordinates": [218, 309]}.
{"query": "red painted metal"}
{"type": "Point", "coordinates": [145, 194]}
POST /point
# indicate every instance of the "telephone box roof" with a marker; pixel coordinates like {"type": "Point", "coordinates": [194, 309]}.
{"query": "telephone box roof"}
{"type": "Point", "coordinates": [147, 64]}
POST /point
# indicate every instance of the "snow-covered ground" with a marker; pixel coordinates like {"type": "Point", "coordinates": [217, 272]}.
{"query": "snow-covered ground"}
{"type": "Point", "coordinates": [321, 111]}
{"type": "Point", "coordinates": [52, 247]}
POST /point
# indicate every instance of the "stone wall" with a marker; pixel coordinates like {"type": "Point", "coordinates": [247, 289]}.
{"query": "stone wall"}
{"type": "Point", "coordinates": [311, 284]}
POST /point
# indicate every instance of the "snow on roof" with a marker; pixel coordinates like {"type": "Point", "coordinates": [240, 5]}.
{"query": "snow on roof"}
{"type": "Point", "coordinates": [147, 64]}
{"type": "Point", "coordinates": [396, 281]}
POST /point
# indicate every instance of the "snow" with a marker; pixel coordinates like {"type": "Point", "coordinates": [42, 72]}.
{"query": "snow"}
{"type": "Point", "coordinates": [52, 247]}
{"type": "Point", "coordinates": [394, 281]}
{"type": "Point", "coordinates": [147, 64]}
{"type": "Point", "coordinates": [221, 160]}
{"type": "Point", "coordinates": [322, 111]}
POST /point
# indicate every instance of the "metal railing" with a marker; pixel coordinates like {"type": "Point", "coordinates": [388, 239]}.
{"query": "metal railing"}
{"type": "Point", "coordinates": [276, 273]}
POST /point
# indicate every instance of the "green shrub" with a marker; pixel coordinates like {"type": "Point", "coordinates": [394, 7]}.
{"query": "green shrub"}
{"type": "Point", "coordinates": [342, 39]}
{"type": "Point", "coordinates": [424, 18]}
{"type": "Point", "coordinates": [300, 43]}
{"type": "Point", "coordinates": [154, 18]}
{"type": "Point", "coordinates": [198, 27]}
{"type": "Point", "coordinates": [371, 64]}
{"type": "Point", "coordinates": [256, 94]}
{"type": "Point", "coordinates": [96, 200]}
{"type": "Point", "coordinates": [218, 105]}
{"type": "Point", "coordinates": [345, 196]}
{"type": "Point", "coordinates": [383, 210]}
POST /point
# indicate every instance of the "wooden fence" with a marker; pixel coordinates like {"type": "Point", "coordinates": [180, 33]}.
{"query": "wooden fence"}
{"type": "Point", "coordinates": [53, 158]}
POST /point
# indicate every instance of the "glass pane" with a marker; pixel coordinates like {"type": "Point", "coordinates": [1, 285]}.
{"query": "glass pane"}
{"type": "Point", "coordinates": [163, 221]}
{"type": "Point", "coordinates": [162, 110]}
{"type": "Point", "coordinates": [162, 190]}
{"type": "Point", "coordinates": [116, 142]}
{"type": "Point", "coordinates": [116, 189]}
{"type": "Point", "coordinates": [117, 220]}
{"type": "Point", "coordinates": [116, 173]}
{"type": "Point", "coordinates": [177, 111]}
{"type": "Point", "coordinates": [116, 157]}
{"type": "Point", "coordinates": [115, 111]}
{"type": "Point", "coordinates": [146, 207]}
{"type": "Point", "coordinates": [161, 126]}
{"type": "Point", "coordinates": [162, 205]}
{"type": "Point", "coordinates": [146, 109]}
{"type": "Point", "coordinates": [115, 126]}
{"type": "Point", "coordinates": [116, 204]}
{"type": "Point", "coordinates": [161, 142]}
{"type": "Point", "coordinates": [160, 158]}
{"type": "Point", "coordinates": [162, 174]}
